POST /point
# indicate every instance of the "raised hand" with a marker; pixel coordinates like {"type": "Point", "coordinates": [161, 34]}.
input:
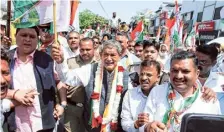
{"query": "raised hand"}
{"type": "Point", "coordinates": [208, 94]}
{"type": "Point", "coordinates": [6, 42]}
{"type": "Point", "coordinates": [57, 53]}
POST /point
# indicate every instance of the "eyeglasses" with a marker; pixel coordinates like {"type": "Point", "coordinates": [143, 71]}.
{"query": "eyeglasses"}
{"type": "Point", "coordinates": [45, 30]}
{"type": "Point", "coordinates": [120, 42]}
{"type": "Point", "coordinates": [203, 62]}
{"type": "Point", "coordinates": [96, 42]}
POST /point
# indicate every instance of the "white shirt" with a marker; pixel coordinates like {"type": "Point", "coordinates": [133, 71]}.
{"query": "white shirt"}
{"type": "Point", "coordinates": [157, 105]}
{"type": "Point", "coordinates": [67, 53]}
{"type": "Point", "coordinates": [215, 82]}
{"type": "Point", "coordinates": [114, 22]}
{"type": "Point", "coordinates": [221, 68]}
{"type": "Point", "coordinates": [129, 59]}
{"type": "Point", "coordinates": [133, 104]}
{"type": "Point", "coordinates": [219, 62]}
{"type": "Point", "coordinates": [164, 60]}
{"type": "Point", "coordinates": [5, 107]}
{"type": "Point", "coordinates": [80, 76]}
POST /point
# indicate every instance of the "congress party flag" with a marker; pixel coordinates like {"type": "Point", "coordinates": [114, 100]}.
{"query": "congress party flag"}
{"type": "Point", "coordinates": [137, 33]}
{"type": "Point", "coordinates": [29, 13]}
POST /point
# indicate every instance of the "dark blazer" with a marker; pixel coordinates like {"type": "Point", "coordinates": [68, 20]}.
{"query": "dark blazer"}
{"type": "Point", "coordinates": [44, 75]}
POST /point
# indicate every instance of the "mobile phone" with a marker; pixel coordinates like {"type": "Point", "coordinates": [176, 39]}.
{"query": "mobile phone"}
{"type": "Point", "coordinates": [202, 123]}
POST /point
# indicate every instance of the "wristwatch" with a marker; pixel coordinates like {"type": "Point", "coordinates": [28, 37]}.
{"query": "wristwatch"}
{"type": "Point", "coordinates": [64, 106]}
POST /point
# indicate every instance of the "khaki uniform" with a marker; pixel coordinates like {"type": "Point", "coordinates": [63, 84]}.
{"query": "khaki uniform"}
{"type": "Point", "coordinates": [73, 118]}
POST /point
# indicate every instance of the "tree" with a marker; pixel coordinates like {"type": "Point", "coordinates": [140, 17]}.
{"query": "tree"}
{"type": "Point", "coordinates": [88, 18]}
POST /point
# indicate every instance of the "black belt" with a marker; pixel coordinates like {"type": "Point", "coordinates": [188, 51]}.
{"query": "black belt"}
{"type": "Point", "coordinates": [75, 103]}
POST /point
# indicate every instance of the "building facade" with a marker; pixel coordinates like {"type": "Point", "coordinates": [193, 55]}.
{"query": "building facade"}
{"type": "Point", "coordinates": [209, 16]}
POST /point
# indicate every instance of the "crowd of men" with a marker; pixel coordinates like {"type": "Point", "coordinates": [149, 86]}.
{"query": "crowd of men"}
{"type": "Point", "coordinates": [105, 82]}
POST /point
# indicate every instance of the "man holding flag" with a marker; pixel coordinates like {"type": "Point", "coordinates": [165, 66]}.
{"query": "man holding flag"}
{"type": "Point", "coordinates": [34, 69]}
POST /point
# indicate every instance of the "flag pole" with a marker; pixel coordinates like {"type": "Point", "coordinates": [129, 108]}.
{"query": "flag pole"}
{"type": "Point", "coordinates": [8, 18]}
{"type": "Point", "coordinates": [54, 22]}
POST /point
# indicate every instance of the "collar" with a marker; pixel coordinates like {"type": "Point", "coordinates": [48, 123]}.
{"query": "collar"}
{"type": "Point", "coordinates": [79, 59]}
{"type": "Point", "coordinates": [109, 74]}
{"type": "Point", "coordinates": [127, 54]}
{"type": "Point", "coordinates": [139, 90]}
{"type": "Point", "coordinates": [212, 76]}
{"type": "Point", "coordinates": [31, 55]}
{"type": "Point", "coordinates": [77, 50]}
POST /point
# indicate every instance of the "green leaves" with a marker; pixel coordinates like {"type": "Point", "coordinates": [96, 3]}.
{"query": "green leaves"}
{"type": "Point", "coordinates": [88, 18]}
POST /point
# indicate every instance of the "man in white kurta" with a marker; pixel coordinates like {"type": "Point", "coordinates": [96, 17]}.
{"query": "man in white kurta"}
{"type": "Point", "coordinates": [157, 104]}
{"type": "Point", "coordinates": [182, 95]}
{"type": "Point", "coordinates": [207, 58]}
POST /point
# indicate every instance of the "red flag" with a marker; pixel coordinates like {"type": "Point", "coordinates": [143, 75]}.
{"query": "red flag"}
{"type": "Point", "coordinates": [136, 32]}
{"type": "Point", "coordinates": [169, 24]}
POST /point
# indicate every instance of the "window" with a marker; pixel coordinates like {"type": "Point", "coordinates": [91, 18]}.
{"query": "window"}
{"type": "Point", "coordinates": [217, 13]}
{"type": "Point", "coordinates": [184, 17]}
{"type": "Point", "coordinates": [152, 22]}
{"type": "Point", "coordinates": [199, 16]}
{"type": "Point", "coordinates": [208, 13]}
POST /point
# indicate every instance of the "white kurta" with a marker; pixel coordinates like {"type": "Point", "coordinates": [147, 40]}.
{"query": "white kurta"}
{"type": "Point", "coordinates": [215, 82]}
{"type": "Point", "coordinates": [157, 105]}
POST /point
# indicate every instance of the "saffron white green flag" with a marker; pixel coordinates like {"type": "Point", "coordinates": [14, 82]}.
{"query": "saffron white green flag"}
{"type": "Point", "coordinates": [29, 13]}
{"type": "Point", "coordinates": [176, 30]}
{"type": "Point", "coordinates": [181, 32]}
{"type": "Point", "coordinates": [175, 38]}
{"type": "Point", "coordinates": [137, 33]}
{"type": "Point", "coordinates": [191, 38]}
